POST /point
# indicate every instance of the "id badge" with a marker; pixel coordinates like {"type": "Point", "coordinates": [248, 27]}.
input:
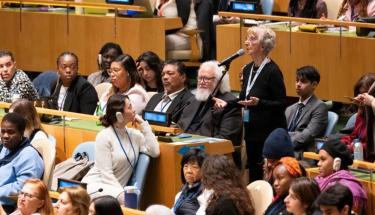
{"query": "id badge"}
{"type": "Point", "coordinates": [246, 115]}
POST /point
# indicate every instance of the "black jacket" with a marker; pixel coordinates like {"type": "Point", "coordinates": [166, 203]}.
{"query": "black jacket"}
{"type": "Point", "coordinates": [81, 96]}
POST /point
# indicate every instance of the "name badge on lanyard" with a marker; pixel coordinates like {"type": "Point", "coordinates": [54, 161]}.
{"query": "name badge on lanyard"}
{"type": "Point", "coordinates": [251, 84]}
{"type": "Point", "coordinates": [246, 115]}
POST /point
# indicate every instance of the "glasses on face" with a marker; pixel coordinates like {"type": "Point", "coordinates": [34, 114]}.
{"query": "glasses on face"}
{"type": "Point", "coordinates": [6, 65]}
{"type": "Point", "coordinates": [205, 79]}
{"type": "Point", "coordinates": [26, 195]}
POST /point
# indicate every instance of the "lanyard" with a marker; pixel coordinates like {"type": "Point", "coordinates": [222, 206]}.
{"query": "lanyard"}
{"type": "Point", "coordinates": [250, 85]}
{"type": "Point", "coordinates": [165, 105]}
{"type": "Point", "coordinates": [122, 147]}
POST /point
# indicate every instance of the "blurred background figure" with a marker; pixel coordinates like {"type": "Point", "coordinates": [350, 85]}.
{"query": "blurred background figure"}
{"type": "Point", "coordinates": [149, 67]}
{"type": "Point", "coordinates": [105, 205]}
{"type": "Point", "coordinates": [73, 201]}
{"type": "Point", "coordinates": [107, 54]}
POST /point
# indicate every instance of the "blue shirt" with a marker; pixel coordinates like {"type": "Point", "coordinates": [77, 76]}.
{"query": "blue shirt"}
{"type": "Point", "coordinates": [27, 164]}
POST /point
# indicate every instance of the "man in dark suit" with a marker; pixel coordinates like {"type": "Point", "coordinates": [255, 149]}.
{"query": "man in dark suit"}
{"type": "Point", "coordinates": [200, 116]}
{"type": "Point", "coordinates": [308, 118]}
{"type": "Point", "coordinates": [71, 92]}
{"type": "Point", "coordinates": [176, 94]}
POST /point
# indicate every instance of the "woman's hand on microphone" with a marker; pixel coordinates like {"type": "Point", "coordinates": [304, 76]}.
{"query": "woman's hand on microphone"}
{"type": "Point", "coordinates": [253, 101]}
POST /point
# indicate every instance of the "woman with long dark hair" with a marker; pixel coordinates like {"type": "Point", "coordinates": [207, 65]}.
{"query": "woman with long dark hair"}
{"type": "Point", "coordinates": [307, 8]}
{"type": "Point", "coordinates": [224, 191]}
{"type": "Point", "coordinates": [149, 67]}
{"type": "Point", "coordinates": [352, 9]}
{"type": "Point", "coordinates": [105, 205]}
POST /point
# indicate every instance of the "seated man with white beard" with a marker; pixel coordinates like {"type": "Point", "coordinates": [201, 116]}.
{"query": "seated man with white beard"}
{"type": "Point", "coordinates": [200, 117]}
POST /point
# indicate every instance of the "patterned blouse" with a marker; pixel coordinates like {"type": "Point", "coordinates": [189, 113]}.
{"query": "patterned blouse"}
{"type": "Point", "coordinates": [19, 87]}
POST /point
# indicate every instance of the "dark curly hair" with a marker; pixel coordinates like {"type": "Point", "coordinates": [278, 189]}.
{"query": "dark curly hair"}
{"type": "Point", "coordinates": [116, 103]}
{"type": "Point", "coordinates": [153, 61]}
{"type": "Point", "coordinates": [219, 172]}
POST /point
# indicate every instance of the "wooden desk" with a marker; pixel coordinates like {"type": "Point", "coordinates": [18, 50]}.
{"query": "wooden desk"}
{"type": "Point", "coordinates": [37, 38]}
{"type": "Point", "coordinates": [340, 60]}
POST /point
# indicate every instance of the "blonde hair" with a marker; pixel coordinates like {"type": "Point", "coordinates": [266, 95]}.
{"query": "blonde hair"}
{"type": "Point", "coordinates": [79, 198]}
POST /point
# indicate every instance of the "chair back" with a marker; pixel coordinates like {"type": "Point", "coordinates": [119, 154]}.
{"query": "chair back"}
{"type": "Point", "coordinates": [102, 88]}
{"type": "Point", "coordinates": [48, 152]}
{"type": "Point", "coordinates": [43, 82]}
{"type": "Point", "coordinates": [88, 147]}
{"type": "Point", "coordinates": [138, 178]}
{"type": "Point", "coordinates": [351, 121]}
{"type": "Point", "coordinates": [332, 121]}
{"type": "Point", "coordinates": [261, 195]}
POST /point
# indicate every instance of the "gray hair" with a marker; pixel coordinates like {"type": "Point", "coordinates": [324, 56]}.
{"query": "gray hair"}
{"type": "Point", "coordinates": [213, 65]}
{"type": "Point", "coordinates": [267, 37]}
{"type": "Point", "coordinates": [158, 210]}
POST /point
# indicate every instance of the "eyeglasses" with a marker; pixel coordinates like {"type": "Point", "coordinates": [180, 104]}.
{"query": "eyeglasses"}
{"type": "Point", "coordinates": [205, 79]}
{"type": "Point", "coordinates": [27, 195]}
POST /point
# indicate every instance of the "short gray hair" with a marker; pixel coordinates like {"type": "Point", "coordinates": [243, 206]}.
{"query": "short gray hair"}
{"type": "Point", "coordinates": [214, 65]}
{"type": "Point", "coordinates": [267, 37]}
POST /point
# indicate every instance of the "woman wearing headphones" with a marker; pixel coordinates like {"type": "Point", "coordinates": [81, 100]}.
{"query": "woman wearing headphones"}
{"type": "Point", "coordinates": [334, 159]}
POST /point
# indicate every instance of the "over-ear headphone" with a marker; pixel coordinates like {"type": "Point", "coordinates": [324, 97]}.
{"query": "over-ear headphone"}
{"type": "Point", "coordinates": [119, 117]}
{"type": "Point", "coordinates": [336, 164]}
{"type": "Point", "coordinates": [100, 59]}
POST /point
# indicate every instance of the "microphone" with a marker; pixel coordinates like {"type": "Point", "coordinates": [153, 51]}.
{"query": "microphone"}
{"type": "Point", "coordinates": [232, 57]}
{"type": "Point", "coordinates": [97, 191]}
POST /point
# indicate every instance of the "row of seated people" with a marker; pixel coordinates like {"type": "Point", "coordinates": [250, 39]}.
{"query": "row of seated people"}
{"type": "Point", "coordinates": [204, 178]}
{"type": "Point", "coordinates": [263, 97]}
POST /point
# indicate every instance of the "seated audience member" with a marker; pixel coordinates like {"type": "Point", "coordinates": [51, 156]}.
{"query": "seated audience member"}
{"type": "Point", "coordinates": [34, 199]}
{"type": "Point", "coordinates": [176, 95]}
{"type": "Point", "coordinates": [308, 9]}
{"type": "Point", "coordinates": [352, 9]}
{"type": "Point", "coordinates": [72, 92]}
{"type": "Point", "coordinates": [158, 210]}
{"type": "Point", "coordinates": [105, 205]}
{"type": "Point", "coordinates": [19, 161]}
{"type": "Point", "coordinates": [360, 131]}
{"type": "Point", "coordinates": [125, 81]}
{"type": "Point", "coordinates": [194, 15]}
{"type": "Point", "coordinates": [14, 83]}
{"type": "Point", "coordinates": [285, 172]}
{"type": "Point", "coordinates": [33, 130]}
{"type": "Point", "coordinates": [73, 201]}
{"type": "Point", "coordinates": [117, 148]}
{"type": "Point", "coordinates": [199, 117]}
{"type": "Point", "coordinates": [186, 200]}
{"type": "Point", "coordinates": [369, 102]}
{"type": "Point", "coordinates": [224, 191]}
{"type": "Point", "coordinates": [308, 118]}
{"type": "Point", "coordinates": [331, 172]}
{"type": "Point", "coordinates": [108, 53]}
{"type": "Point", "coordinates": [276, 146]}
{"type": "Point", "coordinates": [337, 199]}
{"type": "Point", "coordinates": [149, 67]}
{"type": "Point", "coordinates": [302, 195]}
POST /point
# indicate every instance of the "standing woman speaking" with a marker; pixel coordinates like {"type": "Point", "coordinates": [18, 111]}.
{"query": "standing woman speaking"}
{"type": "Point", "coordinates": [263, 96]}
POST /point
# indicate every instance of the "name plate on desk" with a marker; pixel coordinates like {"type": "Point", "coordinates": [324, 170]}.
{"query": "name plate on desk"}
{"type": "Point", "coordinates": [244, 6]}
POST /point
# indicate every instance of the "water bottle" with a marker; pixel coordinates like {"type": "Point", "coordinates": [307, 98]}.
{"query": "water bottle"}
{"type": "Point", "coordinates": [358, 150]}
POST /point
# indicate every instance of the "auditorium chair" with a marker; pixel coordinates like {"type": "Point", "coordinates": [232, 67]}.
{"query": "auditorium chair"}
{"type": "Point", "coordinates": [261, 195]}
{"type": "Point", "coordinates": [332, 121]}
{"type": "Point", "coordinates": [48, 152]}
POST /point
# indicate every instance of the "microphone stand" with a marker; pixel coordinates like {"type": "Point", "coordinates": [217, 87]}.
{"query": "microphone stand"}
{"type": "Point", "coordinates": [219, 82]}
